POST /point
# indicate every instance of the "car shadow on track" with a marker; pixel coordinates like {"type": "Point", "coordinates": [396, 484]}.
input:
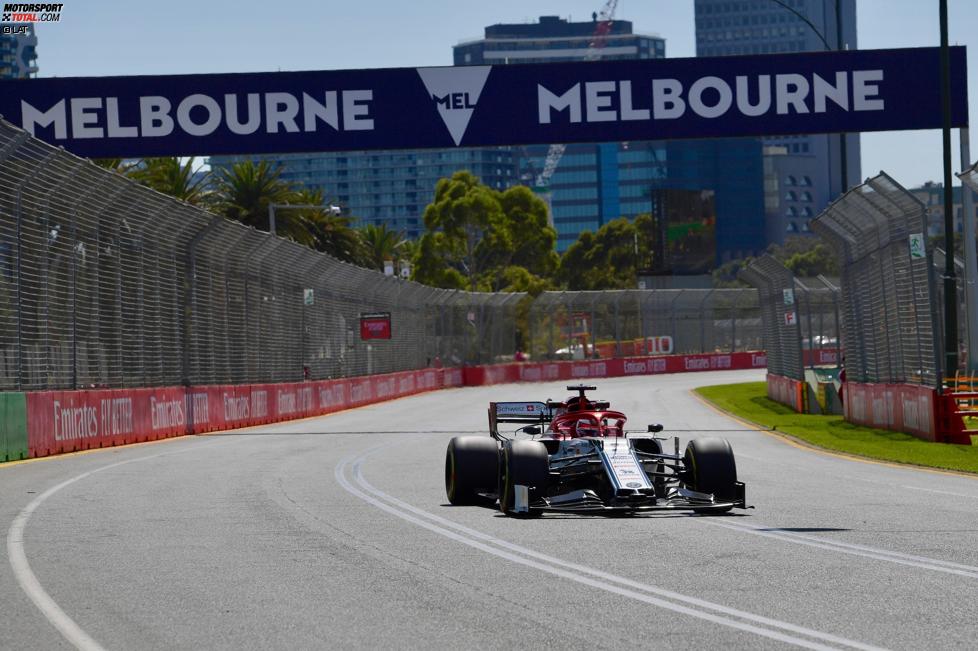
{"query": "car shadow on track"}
{"type": "Point", "coordinates": [593, 516]}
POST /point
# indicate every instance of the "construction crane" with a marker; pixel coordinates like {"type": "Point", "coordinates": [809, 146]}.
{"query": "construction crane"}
{"type": "Point", "coordinates": [604, 20]}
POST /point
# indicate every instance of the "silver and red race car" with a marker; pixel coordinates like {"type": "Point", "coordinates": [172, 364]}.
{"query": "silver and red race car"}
{"type": "Point", "coordinates": [576, 456]}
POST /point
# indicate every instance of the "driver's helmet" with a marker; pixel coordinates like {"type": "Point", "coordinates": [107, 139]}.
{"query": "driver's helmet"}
{"type": "Point", "coordinates": [586, 428]}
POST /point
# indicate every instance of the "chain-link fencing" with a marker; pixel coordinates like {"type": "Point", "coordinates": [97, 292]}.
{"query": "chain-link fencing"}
{"type": "Point", "coordinates": [800, 318]}
{"type": "Point", "coordinates": [889, 309]}
{"type": "Point", "coordinates": [105, 283]}
{"type": "Point", "coordinates": [779, 315]}
{"type": "Point", "coordinates": [621, 323]}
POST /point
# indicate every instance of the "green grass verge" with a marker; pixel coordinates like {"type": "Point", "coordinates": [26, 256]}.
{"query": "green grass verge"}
{"type": "Point", "coordinates": [749, 401]}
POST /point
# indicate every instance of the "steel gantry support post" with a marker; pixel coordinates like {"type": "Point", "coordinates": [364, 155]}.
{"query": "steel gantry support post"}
{"type": "Point", "coordinates": [950, 280]}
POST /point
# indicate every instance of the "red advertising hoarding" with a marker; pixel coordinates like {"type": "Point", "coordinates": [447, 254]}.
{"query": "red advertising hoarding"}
{"type": "Point", "coordinates": [375, 325]}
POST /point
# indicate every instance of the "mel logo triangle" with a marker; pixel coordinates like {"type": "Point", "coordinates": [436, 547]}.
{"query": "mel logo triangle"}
{"type": "Point", "coordinates": [455, 92]}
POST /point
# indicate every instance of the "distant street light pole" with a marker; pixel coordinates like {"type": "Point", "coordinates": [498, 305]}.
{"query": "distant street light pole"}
{"type": "Point", "coordinates": [843, 145]}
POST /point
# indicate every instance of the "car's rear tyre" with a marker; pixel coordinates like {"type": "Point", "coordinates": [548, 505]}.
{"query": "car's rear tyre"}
{"type": "Point", "coordinates": [522, 463]}
{"type": "Point", "coordinates": [710, 468]}
{"type": "Point", "coordinates": [471, 468]}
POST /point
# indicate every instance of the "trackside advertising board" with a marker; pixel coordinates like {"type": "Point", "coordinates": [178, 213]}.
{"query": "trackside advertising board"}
{"type": "Point", "coordinates": [472, 106]}
{"type": "Point", "coordinates": [375, 325]}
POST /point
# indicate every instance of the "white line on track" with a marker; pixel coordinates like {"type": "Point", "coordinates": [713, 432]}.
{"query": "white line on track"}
{"type": "Point", "coordinates": [875, 553]}
{"type": "Point", "coordinates": [652, 595]}
{"type": "Point", "coordinates": [933, 490]}
{"type": "Point", "coordinates": [65, 625]}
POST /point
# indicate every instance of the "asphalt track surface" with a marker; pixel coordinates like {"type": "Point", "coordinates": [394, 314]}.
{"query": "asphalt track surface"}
{"type": "Point", "coordinates": [334, 533]}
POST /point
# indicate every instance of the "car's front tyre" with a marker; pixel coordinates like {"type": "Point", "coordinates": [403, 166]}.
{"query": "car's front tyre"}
{"type": "Point", "coordinates": [710, 468]}
{"type": "Point", "coordinates": [471, 468]}
{"type": "Point", "coordinates": [522, 463]}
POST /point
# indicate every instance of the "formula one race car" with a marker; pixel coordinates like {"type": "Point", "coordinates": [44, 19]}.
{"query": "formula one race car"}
{"type": "Point", "coordinates": [576, 457]}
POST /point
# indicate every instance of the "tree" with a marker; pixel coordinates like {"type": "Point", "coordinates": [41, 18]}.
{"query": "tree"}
{"type": "Point", "coordinates": [245, 189]}
{"type": "Point", "coordinates": [169, 176]}
{"type": "Point", "coordinates": [533, 237]}
{"type": "Point", "coordinates": [474, 233]}
{"type": "Point", "coordinates": [726, 275]}
{"type": "Point", "coordinates": [427, 269]}
{"type": "Point", "coordinates": [118, 165]}
{"type": "Point", "coordinates": [608, 259]}
{"type": "Point", "coordinates": [382, 244]}
{"type": "Point", "coordinates": [806, 257]}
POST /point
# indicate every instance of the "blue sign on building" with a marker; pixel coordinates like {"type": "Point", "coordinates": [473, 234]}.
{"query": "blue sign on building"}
{"type": "Point", "coordinates": [658, 99]}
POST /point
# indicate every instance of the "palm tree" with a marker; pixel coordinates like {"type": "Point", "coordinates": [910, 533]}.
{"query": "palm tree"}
{"type": "Point", "coordinates": [244, 190]}
{"type": "Point", "coordinates": [169, 176]}
{"type": "Point", "coordinates": [381, 243]}
{"type": "Point", "coordinates": [121, 165]}
{"type": "Point", "coordinates": [330, 233]}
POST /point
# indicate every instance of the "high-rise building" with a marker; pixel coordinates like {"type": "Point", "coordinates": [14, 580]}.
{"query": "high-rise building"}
{"type": "Point", "coordinates": [556, 39]}
{"type": "Point", "coordinates": [18, 53]}
{"type": "Point", "coordinates": [387, 187]}
{"type": "Point", "coordinates": [807, 168]}
{"type": "Point", "coordinates": [594, 183]}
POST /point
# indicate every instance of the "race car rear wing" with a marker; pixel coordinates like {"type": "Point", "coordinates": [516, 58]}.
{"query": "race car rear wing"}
{"type": "Point", "coordinates": [528, 413]}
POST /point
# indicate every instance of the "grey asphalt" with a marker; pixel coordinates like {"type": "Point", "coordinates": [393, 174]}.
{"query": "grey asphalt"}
{"type": "Point", "coordinates": [334, 533]}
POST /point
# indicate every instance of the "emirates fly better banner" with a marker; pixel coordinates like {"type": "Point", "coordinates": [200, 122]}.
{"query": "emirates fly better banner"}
{"type": "Point", "coordinates": [860, 90]}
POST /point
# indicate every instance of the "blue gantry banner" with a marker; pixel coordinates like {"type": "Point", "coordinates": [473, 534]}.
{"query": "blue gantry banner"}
{"type": "Point", "coordinates": [473, 106]}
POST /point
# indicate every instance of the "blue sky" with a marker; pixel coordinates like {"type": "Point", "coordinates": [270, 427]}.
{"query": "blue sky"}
{"type": "Point", "coordinates": [98, 37]}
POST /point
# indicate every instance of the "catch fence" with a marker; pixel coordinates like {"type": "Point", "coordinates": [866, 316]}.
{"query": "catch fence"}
{"type": "Point", "coordinates": [105, 283]}
{"type": "Point", "coordinates": [621, 323]}
{"type": "Point", "coordinates": [889, 308]}
{"type": "Point", "coordinates": [800, 317]}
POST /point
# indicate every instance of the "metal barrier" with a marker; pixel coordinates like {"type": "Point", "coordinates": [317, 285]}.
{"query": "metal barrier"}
{"type": "Point", "coordinates": [889, 313]}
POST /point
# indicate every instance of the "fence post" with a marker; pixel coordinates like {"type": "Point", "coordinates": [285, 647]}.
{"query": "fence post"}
{"type": "Point", "coordinates": [703, 321]}
{"type": "Point", "coordinates": [970, 261]}
{"type": "Point", "coordinates": [642, 296]}
{"type": "Point", "coordinates": [733, 324]}
{"type": "Point", "coordinates": [190, 297]}
{"type": "Point", "coordinates": [672, 319]}
{"type": "Point", "coordinates": [594, 331]}
{"type": "Point", "coordinates": [95, 188]}
{"type": "Point", "coordinates": [811, 334]}
{"type": "Point", "coordinates": [550, 336]}
{"type": "Point", "coordinates": [19, 140]}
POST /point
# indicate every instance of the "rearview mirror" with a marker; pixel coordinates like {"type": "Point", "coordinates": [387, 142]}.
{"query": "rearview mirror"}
{"type": "Point", "coordinates": [655, 428]}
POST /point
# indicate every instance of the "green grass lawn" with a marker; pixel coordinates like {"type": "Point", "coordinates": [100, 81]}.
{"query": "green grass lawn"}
{"type": "Point", "coordinates": [749, 401]}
